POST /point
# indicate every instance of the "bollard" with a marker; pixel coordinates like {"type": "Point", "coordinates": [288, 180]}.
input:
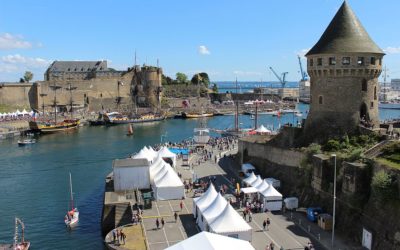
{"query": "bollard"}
{"type": "Point", "coordinates": [291, 215]}
{"type": "Point", "coordinates": [309, 228]}
{"type": "Point", "coordinates": [319, 237]}
{"type": "Point", "coordinates": [300, 222]}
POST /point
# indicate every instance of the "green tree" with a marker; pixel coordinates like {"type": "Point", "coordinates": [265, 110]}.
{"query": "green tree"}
{"type": "Point", "coordinates": [181, 78]}
{"type": "Point", "coordinates": [166, 80]}
{"type": "Point", "coordinates": [201, 78]}
{"type": "Point", "coordinates": [28, 76]}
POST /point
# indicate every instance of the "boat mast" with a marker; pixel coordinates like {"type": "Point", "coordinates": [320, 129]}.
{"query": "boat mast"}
{"type": "Point", "coordinates": [384, 86]}
{"type": "Point", "coordinates": [236, 109]}
{"type": "Point", "coordinates": [70, 88]}
{"type": "Point", "coordinates": [72, 195]}
{"type": "Point", "coordinates": [54, 87]}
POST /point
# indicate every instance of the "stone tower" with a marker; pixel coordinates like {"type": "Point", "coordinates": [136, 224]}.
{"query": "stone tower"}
{"type": "Point", "coordinates": [344, 67]}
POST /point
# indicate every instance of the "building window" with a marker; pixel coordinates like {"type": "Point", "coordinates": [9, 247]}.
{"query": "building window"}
{"type": "Point", "coordinates": [320, 99]}
{"type": "Point", "coordinates": [373, 60]}
{"type": "Point", "coordinates": [319, 61]}
{"type": "Point", "coordinates": [364, 85]}
{"type": "Point", "coordinates": [372, 104]}
{"type": "Point", "coordinates": [375, 97]}
{"type": "Point", "coordinates": [311, 62]}
{"type": "Point", "coordinates": [380, 61]}
{"type": "Point", "coordinates": [346, 60]}
{"type": "Point", "coordinates": [332, 61]}
{"type": "Point", "coordinates": [360, 61]}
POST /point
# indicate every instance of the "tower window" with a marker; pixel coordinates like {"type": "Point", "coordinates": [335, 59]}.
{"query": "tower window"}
{"type": "Point", "coordinates": [364, 85]}
{"type": "Point", "coordinates": [346, 60]}
{"type": "Point", "coordinates": [332, 61]}
{"type": "Point", "coordinates": [380, 61]}
{"type": "Point", "coordinates": [311, 62]}
{"type": "Point", "coordinates": [375, 97]}
{"type": "Point", "coordinates": [319, 61]}
{"type": "Point", "coordinates": [360, 61]}
{"type": "Point", "coordinates": [372, 104]}
{"type": "Point", "coordinates": [373, 60]}
{"type": "Point", "coordinates": [320, 99]}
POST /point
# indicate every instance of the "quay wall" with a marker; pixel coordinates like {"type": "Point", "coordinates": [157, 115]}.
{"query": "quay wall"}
{"type": "Point", "coordinates": [18, 95]}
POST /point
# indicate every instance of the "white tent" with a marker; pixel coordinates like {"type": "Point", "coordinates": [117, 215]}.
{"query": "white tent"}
{"type": "Point", "coordinates": [24, 112]}
{"type": "Point", "coordinates": [272, 199]}
{"type": "Point", "coordinates": [164, 152]}
{"type": "Point", "coordinates": [155, 167]}
{"type": "Point", "coordinates": [201, 203]}
{"type": "Point", "coordinates": [18, 112]}
{"type": "Point", "coordinates": [262, 186]}
{"type": "Point", "coordinates": [152, 152]}
{"type": "Point", "coordinates": [257, 182]}
{"type": "Point", "coordinates": [262, 130]}
{"type": "Point", "coordinates": [249, 190]}
{"type": "Point", "coordinates": [31, 113]}
{"type": "Point", "coordinates": [144, 154]}
{"type": "Point", "coordinates": [210, 241]}
{"type": "Point", "coordinates": [167, 185]}
{"type": "Point", "coordinates": [274, 182]}
{"type": "Point", "coordinates": [130, 174]}
{"type": "Point", "coordinates": [230, 223]}
{"type": "Point", "coordinates": [252, 177]}
{"type": "Point", "coordinates": [211, 212]}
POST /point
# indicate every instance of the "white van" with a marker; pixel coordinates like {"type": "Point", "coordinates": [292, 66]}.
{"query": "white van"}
{"type": "Point", "coordinates": [247, 169]}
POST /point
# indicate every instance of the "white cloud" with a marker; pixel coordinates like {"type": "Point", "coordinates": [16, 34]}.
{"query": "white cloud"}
{"type": "Point", "coordinates": [18, 63]}
{"type": "Point", "coordinates": [203, 50]}
{"type": "Point", "coordinates": [9, 41]}
{"type": "Point", "coordinates": [392, 50]}
{"type": "Point", "coordinates": [302, 52]}
{"type": "Point", "coordinates": [246, 73]}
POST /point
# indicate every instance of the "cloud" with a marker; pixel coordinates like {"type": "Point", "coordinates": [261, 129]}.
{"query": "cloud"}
{"type": "Point", "coordinates": [302, 52]}
{"type": "Point", "coordinates": [203, 50]}
{"type": "Point", "coordinates": [392, 50]}
{"type": "Point", "coordinates": [15, 63]}
{"type": "Point", "coordinates": [246, 73]}
{"type": "Point", "coordinates": [9, 41]}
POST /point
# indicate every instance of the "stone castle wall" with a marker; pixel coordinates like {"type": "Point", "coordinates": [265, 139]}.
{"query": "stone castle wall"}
{"type": "Point", "coordinates": [18, 94]}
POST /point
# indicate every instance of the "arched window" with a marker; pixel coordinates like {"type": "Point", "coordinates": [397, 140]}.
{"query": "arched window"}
{"type": "Point", "coordinates": [375, 96]}
{"type": "Point", "coordinates": [364, 85]}
{"type": "Point", "coordinates": [320, 99]}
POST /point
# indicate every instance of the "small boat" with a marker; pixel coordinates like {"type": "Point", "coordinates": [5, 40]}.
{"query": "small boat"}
{"type": "Point", "coordinates": [17, 245]}
{"type": "Point", "coordinates": [115, 118]}
{"type": "Point", "coordinates": [196, 115]}
{"type": "Point", "coordinates": [26, 142]}
{"type": "Point", "coordinates": [252, 117]}
{"type": "Point", "coordinates": [72, 216]}
{"type": "Point", "coordinates": [130, 130]}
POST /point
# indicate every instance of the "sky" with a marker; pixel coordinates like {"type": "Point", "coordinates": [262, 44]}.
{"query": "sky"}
{"type": "Point", "coordinates": [225, 38]}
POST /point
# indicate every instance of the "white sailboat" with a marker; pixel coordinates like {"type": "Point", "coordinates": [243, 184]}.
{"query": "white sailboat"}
{"type": "Point", "coordinates": [72, 216]}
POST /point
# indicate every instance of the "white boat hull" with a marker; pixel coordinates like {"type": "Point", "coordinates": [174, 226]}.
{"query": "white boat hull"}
{"type": "Point", "coordinates": [73, 221]}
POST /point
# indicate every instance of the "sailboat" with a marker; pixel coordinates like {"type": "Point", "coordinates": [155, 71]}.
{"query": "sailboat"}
{"type": "Point", "coordinates": [72, 216]}
{"type": "Point", "coordinates": [22, 244]}
{"type": "Point", "coordinates": [130, 130]}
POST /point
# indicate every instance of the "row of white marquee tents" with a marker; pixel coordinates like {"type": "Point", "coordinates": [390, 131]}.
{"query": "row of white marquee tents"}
{"type": "Point", "coordinates": [16, 113]}
{"type": "Point", "coordinates": [147, 169]}
{"type": "Point", "coordinates": [272, 199]}
{"type": "Point", "coordinates": [214, 214]}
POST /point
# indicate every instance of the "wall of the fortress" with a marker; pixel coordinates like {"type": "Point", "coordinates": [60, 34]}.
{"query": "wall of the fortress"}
{"type": "Point", "coordinates": [18, 95]}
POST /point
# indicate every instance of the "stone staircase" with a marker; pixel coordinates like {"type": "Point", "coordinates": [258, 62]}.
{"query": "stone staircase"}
{"type": "Point", "coordinates": [376, 149]}
{"type": "Point", "coordinates": [123, 214]}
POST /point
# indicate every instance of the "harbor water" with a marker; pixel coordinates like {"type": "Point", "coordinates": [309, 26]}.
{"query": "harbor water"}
{"type": "Point", "coordinates": [35, 182]}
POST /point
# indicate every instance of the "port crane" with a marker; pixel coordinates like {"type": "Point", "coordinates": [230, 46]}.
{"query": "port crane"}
{"type": "Point", "coordinates": [282, 79]}
{"type": "Point", "coordinates": [302, 72]}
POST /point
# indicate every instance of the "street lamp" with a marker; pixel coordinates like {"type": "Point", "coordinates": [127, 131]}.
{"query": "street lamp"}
{"type": "Point", "coordinates": [334, 200]}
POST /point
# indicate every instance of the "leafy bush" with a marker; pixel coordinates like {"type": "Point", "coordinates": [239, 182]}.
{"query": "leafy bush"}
{"type": "Point", "coordinates": [332, 145]}
{"type": "Point", "coordinates": [383, 185]}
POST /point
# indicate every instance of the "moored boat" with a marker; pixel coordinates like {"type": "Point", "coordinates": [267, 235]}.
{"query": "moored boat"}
{"type": "Point", "coordinates": [26, 142]}
{"type": "Point", "coordinates": [115, 118]}
{"type": "Point", "coordinates": [196, 115]}
{"type": "Point", "coordinates": [52, 127]}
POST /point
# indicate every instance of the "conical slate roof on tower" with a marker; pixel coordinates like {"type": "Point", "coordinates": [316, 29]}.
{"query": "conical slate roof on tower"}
{"type": "Point", "coordinates": [345, 34]}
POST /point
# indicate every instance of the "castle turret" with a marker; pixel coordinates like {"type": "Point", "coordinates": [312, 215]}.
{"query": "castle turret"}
{"type": "Point", "coordinates": [344, 67]}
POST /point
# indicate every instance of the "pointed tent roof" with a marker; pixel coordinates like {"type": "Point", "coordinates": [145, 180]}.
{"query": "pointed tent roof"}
{"type": "Point", "coordinates": [144, 154]}
{"type": "Point", "coordinates": [257, 182]}
{"type": "Point", "coordinates": [262, 129]}
{"type": "Point", "coordinates": [262, 186]}
{"type": "Point", "coordinates": [207, 198]}
{"type": "Point", "coordinates": [271, 193]}
{"type": "Point", "coordinates": [229, 221]}
{"type": "Point", "coordinates": [252, 177]}
{"type": "Point", "coordinates": [206, 240]}
{"type": "Point", "coordinates": [345, 34]}
{"type": "Point", "coordinates": [215, 208]}
{"type": "Point", "coordinates": [165, 152]}
{"type": "Point", "coordinates": [167, 178]}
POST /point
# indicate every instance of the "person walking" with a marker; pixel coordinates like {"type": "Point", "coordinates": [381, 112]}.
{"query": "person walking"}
{"type": "Point", "coordinates": [268, 223]}
{"type": "Point", "coordinates": [271, 246]}
{"type": "Point", "coordinates": [118, 236]}
{"type": "Point", "coordinates": [250, 216]}
{"type": "Point", "coordinates": [123, 236]}
{"type": "Point", "coordinates": [157, 223]}
{"type": "Point", "coordinates": [181, 205]}
{"type": "Point", "coordinates": [114, 233]}
{"type": "Point", "coordinates": [244, 214]}
{"type": "Point", "coordinates": [162, 222]}
{"type": "Point", "coordinates": [176, 216]}
{"type": "Point", "coordinates": [264, 224]}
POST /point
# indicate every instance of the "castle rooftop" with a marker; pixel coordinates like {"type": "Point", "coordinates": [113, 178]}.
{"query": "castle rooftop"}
{"type": "Point", "coordinates": [345, 34]}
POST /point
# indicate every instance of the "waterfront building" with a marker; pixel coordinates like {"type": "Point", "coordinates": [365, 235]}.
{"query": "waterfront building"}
{"type": "Point", "coordinates": [395, 84]}
{"type": "Point", "coordinates": [304, 90]}
{"type": "Point", "coordinates": [344, 66]}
